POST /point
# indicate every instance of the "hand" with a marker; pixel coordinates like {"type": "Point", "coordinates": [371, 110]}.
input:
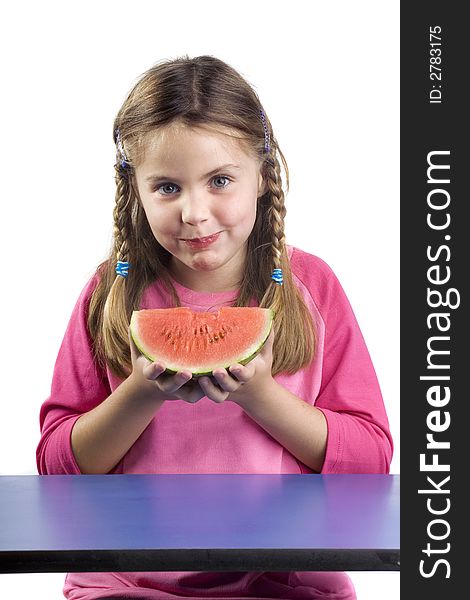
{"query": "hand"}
{"type": "Point", "coordinates": [241, 382]}
{"type": "Point", "coordinates": [153, 380]}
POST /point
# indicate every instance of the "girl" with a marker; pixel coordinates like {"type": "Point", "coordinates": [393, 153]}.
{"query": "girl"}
{"type": "Point", "coordinates": [199, 222]}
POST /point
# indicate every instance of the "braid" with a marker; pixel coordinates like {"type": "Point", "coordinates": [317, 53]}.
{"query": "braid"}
{"type": "Point", "coordinates": [122, 217]}
{"type": "Point", "coordinates": [277, 211]}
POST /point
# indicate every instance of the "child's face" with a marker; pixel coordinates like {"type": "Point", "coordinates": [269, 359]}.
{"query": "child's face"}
{"type": "Point", "coordinates": [199, 189]}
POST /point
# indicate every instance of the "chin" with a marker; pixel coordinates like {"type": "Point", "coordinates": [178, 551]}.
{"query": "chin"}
{"type": "Point", "coordinates": [204, 264]}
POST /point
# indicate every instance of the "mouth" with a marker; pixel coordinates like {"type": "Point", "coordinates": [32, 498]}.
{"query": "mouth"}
{"type": "Point", "coordinates": [202, 242]}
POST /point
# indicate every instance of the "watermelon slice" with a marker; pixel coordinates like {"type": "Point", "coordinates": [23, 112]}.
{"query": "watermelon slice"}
{"type": "Point", "coordinates": [185, 340]}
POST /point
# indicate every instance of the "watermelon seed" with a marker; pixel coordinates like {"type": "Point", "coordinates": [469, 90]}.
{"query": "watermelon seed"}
{"type": "Point", "coordinates": [216, 337]}
{"type": "Point", "coordinates": [222, 334]}
{"type": "Point", "coordinates": [210, 340]}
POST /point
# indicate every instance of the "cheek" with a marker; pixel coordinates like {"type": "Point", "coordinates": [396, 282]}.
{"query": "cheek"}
{"type": "Point", "coordinates": [237, 211]}
{"type": "Point", "coordinates": [162, 220]}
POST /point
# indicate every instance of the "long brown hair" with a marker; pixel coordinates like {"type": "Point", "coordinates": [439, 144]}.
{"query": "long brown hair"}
{"type": "Point", "coordinates": [201, 91]}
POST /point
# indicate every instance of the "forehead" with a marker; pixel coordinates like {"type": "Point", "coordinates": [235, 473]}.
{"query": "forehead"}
{"type": "Point", "coordinates": [177, 140]}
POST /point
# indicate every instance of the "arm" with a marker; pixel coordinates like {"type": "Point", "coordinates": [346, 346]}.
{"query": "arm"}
{"type": "Point", "coordinates": [78, 385]}
{"type": "Point", "coordinates": [349, 396]}
{"type": "Point", "coordinates": [296, 425]}
{"type": "Point", "coordinates": [101, 437]}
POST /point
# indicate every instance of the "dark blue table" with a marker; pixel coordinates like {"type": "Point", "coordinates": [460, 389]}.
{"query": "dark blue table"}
{"type": "Point", "coordinates": [64, 523]}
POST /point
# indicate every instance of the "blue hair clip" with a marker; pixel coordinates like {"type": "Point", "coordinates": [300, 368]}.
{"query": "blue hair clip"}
{"type": "Point", "coordinates": [267, 137]}
{"type": "Point", "coordinates": [122, 268]}
{"type": "Point", "coordinates": [277, 276]}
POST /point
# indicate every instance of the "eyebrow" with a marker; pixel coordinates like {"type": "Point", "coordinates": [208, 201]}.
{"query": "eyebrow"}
{"type": "Point", "coordinates": [156, 177]}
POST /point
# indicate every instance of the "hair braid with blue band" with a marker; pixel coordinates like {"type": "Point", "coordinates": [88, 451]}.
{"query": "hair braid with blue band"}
{"type": "Point", "coordinates": [122, 267]}
{"type": "Point", "coordinates": [276, 275]}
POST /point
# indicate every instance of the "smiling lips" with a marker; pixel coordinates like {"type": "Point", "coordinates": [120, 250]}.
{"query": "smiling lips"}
{"type": "Point", "coordinates": [204, 242]}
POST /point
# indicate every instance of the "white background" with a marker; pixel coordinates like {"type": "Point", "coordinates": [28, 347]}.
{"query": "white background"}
{"type": "Point", "coordinates": [328, 76]}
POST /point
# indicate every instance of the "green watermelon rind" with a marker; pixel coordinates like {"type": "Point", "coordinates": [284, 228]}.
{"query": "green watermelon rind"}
{"type": "Point", "coordinates": [196, 374]}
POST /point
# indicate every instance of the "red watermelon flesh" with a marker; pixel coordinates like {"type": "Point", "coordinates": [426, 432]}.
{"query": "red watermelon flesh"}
{"type": "Point", "coordinates": [199, 342]}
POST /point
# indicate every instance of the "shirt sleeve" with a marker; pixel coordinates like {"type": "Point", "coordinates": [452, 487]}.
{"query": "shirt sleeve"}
{"type": "Point", "coordinates": [78, 385]}
{"type": "Point", "coordinates": [359, 439]}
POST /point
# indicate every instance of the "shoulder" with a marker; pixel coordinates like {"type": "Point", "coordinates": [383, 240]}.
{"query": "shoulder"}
{"type": "Point", "coordinates": [310, 270]}
{"type": "Point", "coordinates": [317, 281]}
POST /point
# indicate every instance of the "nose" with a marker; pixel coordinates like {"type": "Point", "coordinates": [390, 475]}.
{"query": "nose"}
{"type": "Point", "coordinates": [195, 209]}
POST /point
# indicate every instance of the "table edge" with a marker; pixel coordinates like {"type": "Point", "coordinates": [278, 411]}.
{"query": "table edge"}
{"type": "Point", "coordinates": [261, 559]}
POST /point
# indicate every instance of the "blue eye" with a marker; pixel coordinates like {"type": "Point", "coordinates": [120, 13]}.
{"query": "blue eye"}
{"type": "Point", "coordinates": [164, 188]}
{"type": "Point", "coordinates": [225, 181]}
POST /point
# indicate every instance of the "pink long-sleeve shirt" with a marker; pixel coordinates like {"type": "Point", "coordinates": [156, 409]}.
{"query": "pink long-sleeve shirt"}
{"type": "Point", "coordinates": [207, 437]}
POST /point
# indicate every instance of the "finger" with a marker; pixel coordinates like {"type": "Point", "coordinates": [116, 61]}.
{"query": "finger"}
{"type": "Point", "coordinates": [212, 391]}
{"type": "Point", "coordinates": [243, 373]}
{"type": "Point", "coordinates": [152, 371]}
{"type": "Point", "coordinates": [192, 395]}
{"type": "Point", "coordinates": [225, 381]}
{"type": "Point", "coordinates": [172, 383]}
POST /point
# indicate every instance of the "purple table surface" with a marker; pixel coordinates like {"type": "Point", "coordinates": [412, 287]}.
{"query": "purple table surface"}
{"type": "Point", "coordinates": [202, 522]}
